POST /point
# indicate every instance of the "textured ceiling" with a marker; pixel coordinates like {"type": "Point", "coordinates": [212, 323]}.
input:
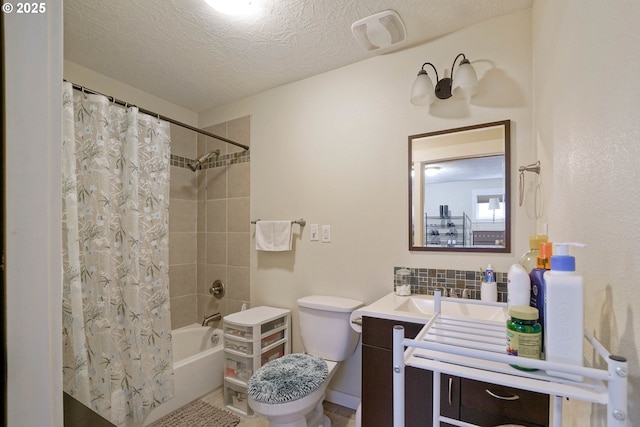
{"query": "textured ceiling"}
{"type": "Point", "coordinates": [471, 169]}
{"type": "Point", "coordinates": [188, 54]}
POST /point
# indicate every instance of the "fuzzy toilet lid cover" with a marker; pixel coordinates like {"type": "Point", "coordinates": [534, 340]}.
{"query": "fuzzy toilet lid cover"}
{"type": "Point", "coordinates": [287, 378]}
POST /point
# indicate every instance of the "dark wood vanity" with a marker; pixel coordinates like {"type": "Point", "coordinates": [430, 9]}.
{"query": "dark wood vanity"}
{"type": "Point", "coordinates": [461, 399]}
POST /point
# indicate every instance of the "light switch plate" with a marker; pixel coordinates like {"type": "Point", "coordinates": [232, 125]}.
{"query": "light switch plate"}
{"type": "Point", "coordinates": [326, 233]}
{"type": "Point", "coordinates": [314, 233]}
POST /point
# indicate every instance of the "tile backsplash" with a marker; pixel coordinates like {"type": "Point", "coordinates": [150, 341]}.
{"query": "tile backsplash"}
{"type": "Point", "coordinates": [427, 280]}
{"type": "Point", "coordinates": [214, 162]}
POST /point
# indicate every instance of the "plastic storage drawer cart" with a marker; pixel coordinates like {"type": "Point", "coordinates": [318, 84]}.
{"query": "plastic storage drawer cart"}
{"type": "Point", "coordinates": [251, 338]}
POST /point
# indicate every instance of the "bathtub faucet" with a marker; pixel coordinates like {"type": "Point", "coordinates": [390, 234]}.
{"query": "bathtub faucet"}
{"type": "Point", "coordinates": [213, 317]}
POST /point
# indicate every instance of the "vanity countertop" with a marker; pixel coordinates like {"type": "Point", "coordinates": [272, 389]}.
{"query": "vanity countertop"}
{"type": "Point", "coordinates": [420, 308]}
{"type": "Point", "coordinates": [388, 306]}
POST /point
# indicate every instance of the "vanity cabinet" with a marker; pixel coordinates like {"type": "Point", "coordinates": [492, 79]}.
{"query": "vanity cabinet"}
{"type": "Point", "coordinates": [491, 404]}
{"type": "Point", "coordinates": [377, 379]}
{"type": "Point", "coordinates": [460, 398]}
{"type": "Point", "coordinates": [251, 338]}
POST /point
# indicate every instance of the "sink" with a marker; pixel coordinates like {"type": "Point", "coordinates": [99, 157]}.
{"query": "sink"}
{"type": "Point", "coordinates": [475, 311]}
{"type": "Point", "coordinates": [424, 306]}
{"type": "Point", "coordinates": [417, 305]}
{"type": "Point", "coordinates": [420, 308]}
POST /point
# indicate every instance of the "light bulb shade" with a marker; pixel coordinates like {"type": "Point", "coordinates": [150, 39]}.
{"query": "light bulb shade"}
{"type": "Point", "coordinates": [465, 81]}
{"type": "Point", "coordinates": [431, 170]}
{"type": "Point", "coordinates": [422, 91]}
{"type": "Point", "coordinates": [494, 203]}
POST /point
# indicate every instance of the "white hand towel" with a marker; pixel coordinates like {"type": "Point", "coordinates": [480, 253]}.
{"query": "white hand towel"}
{"type": "Point", "coordinates": [273, 235]}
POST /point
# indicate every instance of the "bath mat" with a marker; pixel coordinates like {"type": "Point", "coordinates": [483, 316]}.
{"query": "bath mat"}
{"type": "Point", "coordinates": [198, 414]}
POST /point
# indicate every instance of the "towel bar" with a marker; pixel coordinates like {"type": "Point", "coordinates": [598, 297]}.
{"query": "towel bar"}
{"type": "Point", "coordinates": [302, 222]}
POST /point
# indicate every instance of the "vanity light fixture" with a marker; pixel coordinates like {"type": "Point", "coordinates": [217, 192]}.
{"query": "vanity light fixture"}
{"type": "Point", "coordinates": [463, 84]}
{"type": "Point", "coordinates": [431, 170]}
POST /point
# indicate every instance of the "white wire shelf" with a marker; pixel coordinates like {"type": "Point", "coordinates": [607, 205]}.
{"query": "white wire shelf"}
{"type": "Point", "coordinates": [475, 349]}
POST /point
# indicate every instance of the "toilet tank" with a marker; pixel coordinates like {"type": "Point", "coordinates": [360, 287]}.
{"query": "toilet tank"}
{"type": "Point", "coordinates": [325, 328]}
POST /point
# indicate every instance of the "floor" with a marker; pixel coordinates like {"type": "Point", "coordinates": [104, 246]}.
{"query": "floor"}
{"type": "Point", "coordinates": [339, 415]}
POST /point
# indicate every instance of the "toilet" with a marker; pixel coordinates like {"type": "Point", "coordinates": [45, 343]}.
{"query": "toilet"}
{"type": "Point", "coordinates": [289, 391]}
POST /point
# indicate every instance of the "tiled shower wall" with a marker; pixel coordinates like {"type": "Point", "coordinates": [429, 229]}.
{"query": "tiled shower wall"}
{"type": "Point", "coordinates": [208, 223]}
{"type": "Point", "coordinates": [427, 280]}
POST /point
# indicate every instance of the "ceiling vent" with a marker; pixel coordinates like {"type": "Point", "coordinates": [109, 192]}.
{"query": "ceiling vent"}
{"type": "Point", "coordinates": [380, 31]}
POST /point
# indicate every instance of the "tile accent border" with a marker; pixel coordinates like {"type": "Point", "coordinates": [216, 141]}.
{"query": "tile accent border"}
{"type": "Point", "coordinates": [426, 280]}
{"type": "Point", "coordinates": [222, 160]}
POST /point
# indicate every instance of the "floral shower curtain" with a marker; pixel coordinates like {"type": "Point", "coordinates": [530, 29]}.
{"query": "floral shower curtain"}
{"type": "Point", "coordinates": [117, 355]}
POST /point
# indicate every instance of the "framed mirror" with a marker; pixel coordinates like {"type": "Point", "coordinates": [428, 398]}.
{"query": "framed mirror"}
{"type": "Point", "coordinates": [459, 189]}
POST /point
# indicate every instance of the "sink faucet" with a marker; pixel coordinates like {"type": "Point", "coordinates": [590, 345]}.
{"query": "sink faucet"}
{"type": "Point", "coordinates": [213, 317]}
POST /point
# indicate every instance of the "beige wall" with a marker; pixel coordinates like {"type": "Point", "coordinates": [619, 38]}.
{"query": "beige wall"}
{"type": "Point", "coordinates": [587, 100]}
{"type": "Point", "coordinates": [31, 277]}
{"type": "Point", "coordinates": [333, 149]}
{"type": "Point", "coordinates": [91, 79]}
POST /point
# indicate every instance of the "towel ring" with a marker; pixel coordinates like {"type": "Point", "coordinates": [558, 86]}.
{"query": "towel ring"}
{"type": "Point", "coordinates": [534, 167]}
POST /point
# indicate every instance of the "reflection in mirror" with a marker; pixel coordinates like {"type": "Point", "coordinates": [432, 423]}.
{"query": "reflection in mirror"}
{"type": "Point", "coordinates": [459, 190]}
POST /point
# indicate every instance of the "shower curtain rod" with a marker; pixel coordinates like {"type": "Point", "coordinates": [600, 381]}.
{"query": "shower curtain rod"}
{"type": "Point", "coordinates": [160, 117]}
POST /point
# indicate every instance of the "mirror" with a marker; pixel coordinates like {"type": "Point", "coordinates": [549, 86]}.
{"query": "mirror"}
{"type": "Point", "coordinates": [459, 189]}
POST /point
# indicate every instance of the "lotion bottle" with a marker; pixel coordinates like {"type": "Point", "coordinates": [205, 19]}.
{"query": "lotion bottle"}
{"type": "Point", "coordinates": [518, 286]}
{"type": "Point", "coordinates": [538, 290]}
{"type": "Point", "coordinates": [564, 311]}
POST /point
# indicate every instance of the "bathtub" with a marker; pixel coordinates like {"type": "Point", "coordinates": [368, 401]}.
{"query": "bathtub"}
{"type": "Point", "coordinates": [198, 366]}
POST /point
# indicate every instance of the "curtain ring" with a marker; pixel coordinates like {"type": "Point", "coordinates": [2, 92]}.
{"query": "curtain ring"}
{"type": "Point", "coordinates": [83, 97]}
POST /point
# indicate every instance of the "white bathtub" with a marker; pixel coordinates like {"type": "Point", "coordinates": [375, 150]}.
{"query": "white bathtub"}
{"type": "Point", "coordinates": [198, 366]}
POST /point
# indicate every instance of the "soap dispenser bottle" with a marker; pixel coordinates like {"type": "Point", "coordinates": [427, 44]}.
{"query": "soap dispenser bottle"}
{"type": "Point", "coordinates": [564, 311]}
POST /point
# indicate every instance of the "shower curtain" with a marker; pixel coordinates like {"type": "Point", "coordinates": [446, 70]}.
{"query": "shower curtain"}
{"type": "Point", "coordinates": [117, 355]}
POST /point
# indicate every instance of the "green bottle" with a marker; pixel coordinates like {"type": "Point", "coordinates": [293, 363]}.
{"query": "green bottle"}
{"type": "Point", "coordinates": [524, 334]}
